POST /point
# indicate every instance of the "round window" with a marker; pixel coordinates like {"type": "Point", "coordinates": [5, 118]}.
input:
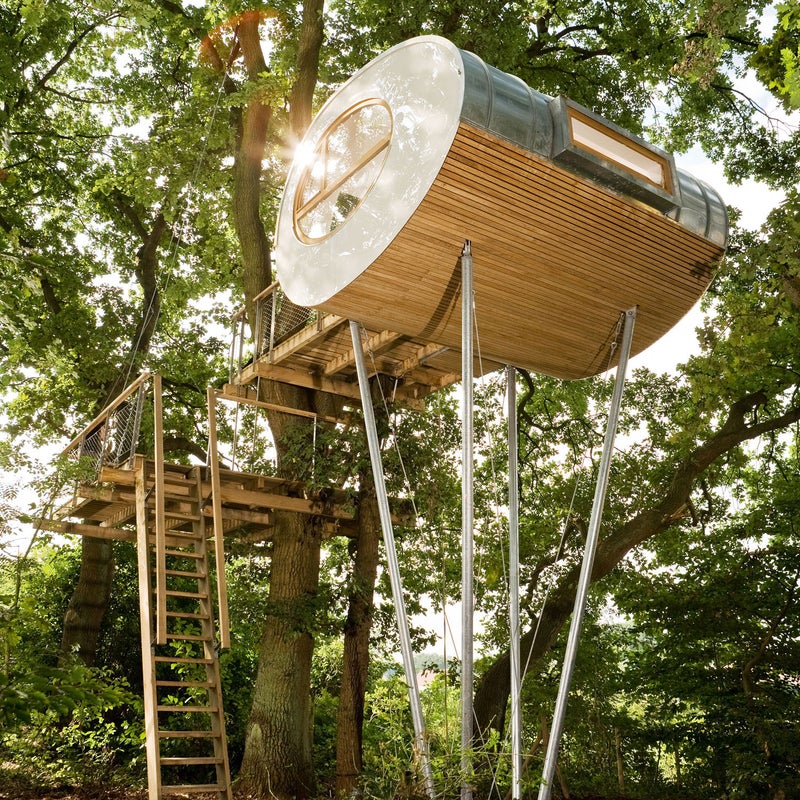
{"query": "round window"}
{"type": "Point", "coordinates": [343, 168]}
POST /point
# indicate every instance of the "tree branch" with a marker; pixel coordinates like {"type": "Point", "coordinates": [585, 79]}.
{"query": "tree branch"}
{"type": "Point", "coordinates": [491, 696]}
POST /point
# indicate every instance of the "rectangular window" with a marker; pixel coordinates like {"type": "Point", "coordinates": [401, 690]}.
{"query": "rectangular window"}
{"type": "Point", "coordinates": [591, 135]}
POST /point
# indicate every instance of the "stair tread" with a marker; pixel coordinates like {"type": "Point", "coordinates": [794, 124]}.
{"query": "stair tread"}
{"type": "Point", "coordinates": [169, 760]}
{"type": "Point", "coordinates": [188, 615]}
{"type": "Point", "coordinates": [182, 660]}
{"type": "Point", "coordinates": [189, 709]}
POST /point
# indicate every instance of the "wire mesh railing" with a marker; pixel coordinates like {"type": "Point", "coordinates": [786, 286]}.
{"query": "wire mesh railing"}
{"type": "Point", "coordinates": [112, 437]}
{"type": "Point", "coordinates": [276, 319]}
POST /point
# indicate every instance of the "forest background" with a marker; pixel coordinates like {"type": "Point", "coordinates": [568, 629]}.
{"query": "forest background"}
{"type": "Point", "coordinates": [142, 151]}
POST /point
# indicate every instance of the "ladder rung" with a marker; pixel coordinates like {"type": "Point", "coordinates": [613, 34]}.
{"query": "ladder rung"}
{"type": "Point", "coordinates": [182, 660]}
{"type": "Point", "coordinates": [183, 573]}
{"type": "Point", "coordinates": [175, 534]}
{"type": "Point", "coordinates": [188, 735]}
{"type": "Point", "coordinates": [187, 615]}
{"type": "Point", "coordinates": [188, 788]}
{"type": "Point", "coordinates": [188, 684]}
{"type": "Point", "coordinates": [182, 554]}
{"type": "Point", "coordinates": [188, 637]}
{"type": "Point", "coordinates": [176, 760]}
{"type": "Point", "coordinates": [175, 593]}
{"type": "Point", "coordinates": [189, 709]}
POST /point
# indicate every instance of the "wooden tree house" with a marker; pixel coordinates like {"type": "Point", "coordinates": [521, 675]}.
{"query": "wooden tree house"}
{"type": "Point", "coordinates": [571, 221]}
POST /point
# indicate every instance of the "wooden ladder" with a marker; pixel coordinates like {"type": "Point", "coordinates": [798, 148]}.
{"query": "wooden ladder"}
{"type": "Point", "coordinates": [184, 722]}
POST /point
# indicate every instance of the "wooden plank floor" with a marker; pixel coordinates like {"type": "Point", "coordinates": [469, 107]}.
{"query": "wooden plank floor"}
{"type": "Point", "coordinates": [107, 509]}
{"type": "Point", "coordinates": [320, 356]}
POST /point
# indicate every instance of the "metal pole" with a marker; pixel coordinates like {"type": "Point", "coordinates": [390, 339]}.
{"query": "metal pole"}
{"type": "Point", "coordinates": [467, 515]}
{"type": "Point", "coordinates": [513, 587]}
{"type": "Point", "coordinates": [420, 740]}
{"type": "Point", "coordinates": [588, 561]}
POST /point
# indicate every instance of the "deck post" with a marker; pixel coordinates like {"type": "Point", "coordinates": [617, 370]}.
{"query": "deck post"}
{"type": "Point", "coordinates": [420, 738]}
{"type": "Point", "coordinates": [585, 578]}
{"type": "Point", "coordinates": [513, 586]}
{"type": "Point", "coordinates": [467, 517]}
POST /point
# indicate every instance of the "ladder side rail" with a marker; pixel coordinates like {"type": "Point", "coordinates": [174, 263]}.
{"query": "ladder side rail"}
{"type": "Point", "coordinates": [217, 717]}
{"type": "Point", "coordinates": [152, 748]}
{"type": "Point", "coordinates": [160, 517]}
{"type": "Point", "coordinates": [216, 506]}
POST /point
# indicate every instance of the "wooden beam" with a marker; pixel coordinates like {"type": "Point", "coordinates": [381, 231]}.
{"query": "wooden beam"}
{"type": "Point", "coordinates": [145, 617]}
{"type": "Point", "coordinates": [307, 337]}
{"type": "Point", "coordinates": [160, 519]}
{"type": "Point", "coordinates": [244, 515]}
{"type": "Point", "coordinates": [303, 378]}
{"type": "Point", "coordinates": [375, 344]}
{"type": "Point", "coordinates": [84, 529]}
{"type": "Point", "coordinates": [231, 392]}
{"type": "Point", "coordinates": [424, 353]}
{"type": "Point", "coordinates": [282, 502]}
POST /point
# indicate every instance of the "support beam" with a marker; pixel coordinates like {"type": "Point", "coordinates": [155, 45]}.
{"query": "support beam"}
{"type": "Point", "coordinates": [298, 377]}
{"type": "Point", "coordinates": [423, 354]}
{"type": "Point", "coordinates": [420, 739]}
{"type": "Point", "coordinates": [375, 344]}
{"type": "Point", "coordinates": [467, 514]}
{"type": "Point", "coordinates": [160, 519]}
{"type": "Point", "coordinates": [585, 579]}
{"type": "Point", "coordinates": [513, 586]}
{"type": "Point", "coordinates": [145, 616]}
{"type": "Point", "coordinates": [84, 529]}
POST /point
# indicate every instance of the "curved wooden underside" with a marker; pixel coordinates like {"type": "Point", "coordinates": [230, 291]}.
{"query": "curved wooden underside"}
{"type": "Point", "coordinates": [556, 260]}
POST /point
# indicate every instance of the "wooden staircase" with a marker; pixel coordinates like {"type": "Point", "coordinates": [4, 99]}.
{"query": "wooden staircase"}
{"type": "Point", "coordinates": [184, 720]}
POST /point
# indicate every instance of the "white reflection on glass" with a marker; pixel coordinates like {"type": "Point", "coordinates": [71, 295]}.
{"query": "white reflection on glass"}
{"type": "Point", "coordinates": [626, 154]}
{"type": "Point", "coordinates": [347, 161]}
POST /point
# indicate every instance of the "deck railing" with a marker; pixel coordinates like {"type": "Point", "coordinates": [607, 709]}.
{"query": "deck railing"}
{"type": "Point", "coordinates": [111, 438]}
{"type": "Point", "coordinates": [276, 319]}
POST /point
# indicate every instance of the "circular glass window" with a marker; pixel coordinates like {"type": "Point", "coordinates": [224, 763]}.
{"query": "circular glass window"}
{"type": "Point", "coordinates": [343, 168]}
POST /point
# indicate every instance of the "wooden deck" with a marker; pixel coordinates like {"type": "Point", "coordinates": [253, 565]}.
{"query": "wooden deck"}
{"type": "Point", "coordinates": [320, 356]}
{"type": "Point", "coordinates": [107, 509]}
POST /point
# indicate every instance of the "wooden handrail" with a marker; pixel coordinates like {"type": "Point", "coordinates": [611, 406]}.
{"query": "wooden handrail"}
{"type": "Point", "coordinates": [264, 293]}
{"type": "Point", "coordinates": [106, 412]}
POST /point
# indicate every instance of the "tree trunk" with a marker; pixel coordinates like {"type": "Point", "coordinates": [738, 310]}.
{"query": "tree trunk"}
{"type": "Point", "coordinates": [277, 759]}
{"type": "Point", "coordinates": [89, 601]}
{"type": "Point", "coordinates": [356, 644]}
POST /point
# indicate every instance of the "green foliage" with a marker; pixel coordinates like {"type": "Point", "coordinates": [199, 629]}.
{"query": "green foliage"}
{"type": "Point", "coordinates": [60, 721]}
{"type": "Point", "coordinates": [777, 61]}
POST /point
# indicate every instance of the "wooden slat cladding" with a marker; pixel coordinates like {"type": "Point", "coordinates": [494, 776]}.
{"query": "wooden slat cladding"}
{"type": "Point", "coordinates": [557, 258]}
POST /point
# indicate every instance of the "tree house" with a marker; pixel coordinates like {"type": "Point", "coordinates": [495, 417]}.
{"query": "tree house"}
{"type": "Point", "coordinates": [571, 221]}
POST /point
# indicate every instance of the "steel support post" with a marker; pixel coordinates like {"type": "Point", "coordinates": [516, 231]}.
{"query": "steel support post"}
{"type": "Point", "coordinates": [513, 586]}
{"type": "Point", "coordinates": [588, 561]}
{"type": "Point", "coordinates": [420, 739]}
{"type": "Point", "coordinates": [467, 517]}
